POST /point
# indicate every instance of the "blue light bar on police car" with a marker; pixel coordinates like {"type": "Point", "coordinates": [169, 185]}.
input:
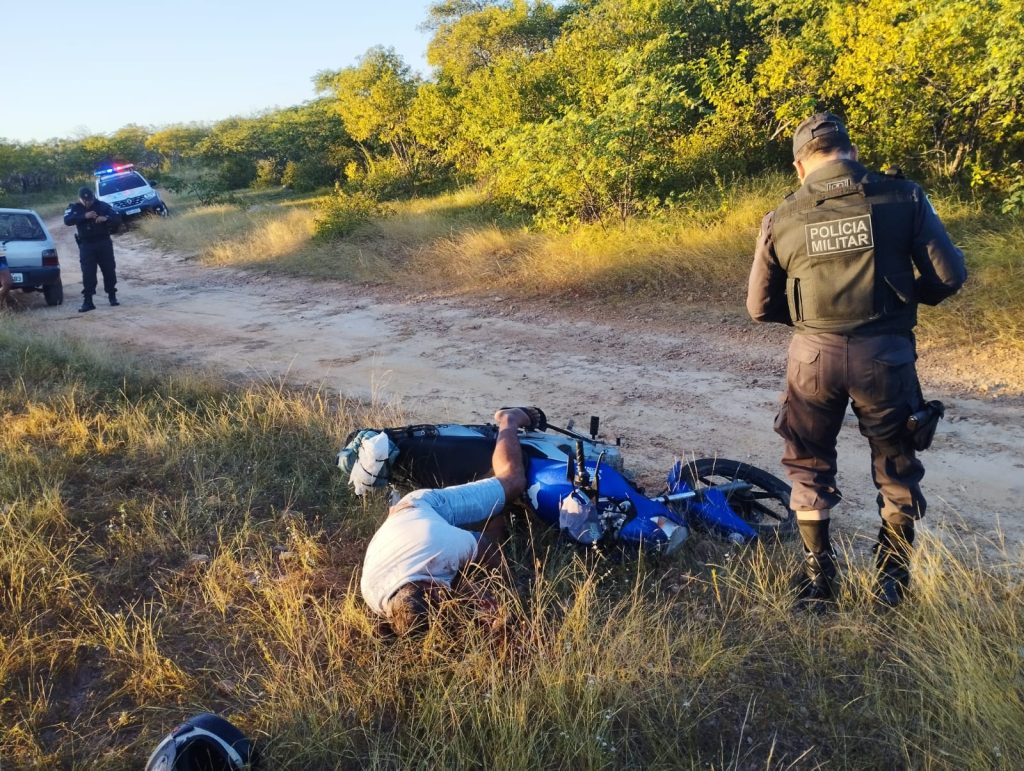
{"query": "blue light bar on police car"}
{"type": "Point", "coordinates": [115, 169]}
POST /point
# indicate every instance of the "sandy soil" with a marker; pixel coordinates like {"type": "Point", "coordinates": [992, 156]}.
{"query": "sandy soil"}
{"type": "Point", "coordinates": [682, 383]}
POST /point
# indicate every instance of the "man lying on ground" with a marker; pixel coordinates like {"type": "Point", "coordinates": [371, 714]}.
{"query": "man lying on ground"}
{"type": "Point", "coordinates": [422, 550]}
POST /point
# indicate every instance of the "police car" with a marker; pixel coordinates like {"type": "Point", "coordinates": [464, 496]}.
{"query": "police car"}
{"type": "Point", "coordinates": [128, 191]}
{"type": "Point", "coordinates": [31, 254]}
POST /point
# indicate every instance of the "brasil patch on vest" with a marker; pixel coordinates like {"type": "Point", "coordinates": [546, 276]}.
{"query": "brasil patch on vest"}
{"type": "Point", "coordinates": [843, 235]}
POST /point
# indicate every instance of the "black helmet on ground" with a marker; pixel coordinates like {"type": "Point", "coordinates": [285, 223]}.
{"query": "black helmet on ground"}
{"type": "Point", "coordinates": [203, 743]}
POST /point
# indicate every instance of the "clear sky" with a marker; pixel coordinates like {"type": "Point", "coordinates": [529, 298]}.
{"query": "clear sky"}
{"type": "Point", "coordinates": [74, 68]}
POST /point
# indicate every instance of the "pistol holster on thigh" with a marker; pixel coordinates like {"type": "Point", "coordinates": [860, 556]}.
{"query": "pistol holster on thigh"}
{"type": "Point", "coordinates": [922, 423]}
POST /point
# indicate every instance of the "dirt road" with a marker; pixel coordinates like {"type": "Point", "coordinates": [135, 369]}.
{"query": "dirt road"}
{"type": "Point", "coordinates": [707, 389]}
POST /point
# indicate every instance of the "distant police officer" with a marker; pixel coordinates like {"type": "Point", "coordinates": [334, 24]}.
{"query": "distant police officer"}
{"type": "Point", "coordinates": [95, 220]}
{"type": "Point", "coordinates": [836, 260]}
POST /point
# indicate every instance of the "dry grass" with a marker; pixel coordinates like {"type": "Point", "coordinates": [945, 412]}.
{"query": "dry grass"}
{"type": "Point", "coordinates": [689, 251]}
{"type": "Point", "coordinates": [990, 309]}
{"type": "Point", "coordinates": [458, 239]}
{"type": "Point", "coordinates": [170, 545]}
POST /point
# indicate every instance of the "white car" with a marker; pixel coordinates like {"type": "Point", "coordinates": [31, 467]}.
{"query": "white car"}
{"type": "Point", "coordinates": [31, 254]}
{"type": "Point", "coordinates": [128, 191]}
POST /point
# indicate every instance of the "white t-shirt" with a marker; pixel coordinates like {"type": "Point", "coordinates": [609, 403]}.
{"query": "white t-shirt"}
{"type": "Point", "coordinates": [417, 542]}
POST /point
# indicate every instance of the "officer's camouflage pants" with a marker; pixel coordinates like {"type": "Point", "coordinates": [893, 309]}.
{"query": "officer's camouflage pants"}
{"type": "Point", "coordinates": [877, 374]}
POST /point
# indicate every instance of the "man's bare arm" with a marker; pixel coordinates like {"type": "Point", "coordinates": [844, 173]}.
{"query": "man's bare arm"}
{"type": "Point", "coordinates": [507, 460]}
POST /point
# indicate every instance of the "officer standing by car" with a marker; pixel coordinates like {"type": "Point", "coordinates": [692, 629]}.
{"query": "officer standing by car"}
{"type": "Point", "coordinates": [95, 221]}
{"type": "Point", "coordinates": [836, 260]}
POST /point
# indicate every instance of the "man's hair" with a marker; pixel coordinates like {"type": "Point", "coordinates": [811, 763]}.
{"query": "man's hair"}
{"type": "Point", "coordinates": [824, 146]}
{"type": "Point", "coordinates": [409, 610]}
{"type": "Point", "coordinates": [821, 134]}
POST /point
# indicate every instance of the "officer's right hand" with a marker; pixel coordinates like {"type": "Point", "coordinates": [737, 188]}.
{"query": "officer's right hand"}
{"type": "Point", "coordinates": [91, 215]}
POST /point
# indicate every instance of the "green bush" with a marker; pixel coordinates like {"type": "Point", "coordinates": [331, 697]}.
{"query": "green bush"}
{"type": "Point", "coordinates": [307, 174]}
{"type": "Point", "coordinates": [1013, 203]}
{"type": "Point", "coordinates": [340, 214]}
{"type": "Point", "coordinates": [386, 178]}
{"type": "Point", "coordinates": [206, 188]}
{"type": "Point", "coordinates": [268, 174]}
{"type": "Point", "coordinates": [236, 172]}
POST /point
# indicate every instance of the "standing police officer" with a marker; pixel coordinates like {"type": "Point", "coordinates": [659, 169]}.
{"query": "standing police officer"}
{"type": "Point", "coordinates": [95, 220]}
{"type": "Point", "coordinates": [836, 260]}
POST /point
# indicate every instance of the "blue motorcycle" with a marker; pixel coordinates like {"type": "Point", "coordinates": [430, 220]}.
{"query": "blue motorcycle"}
{"type": "Point", "coordinates": [578, 483]}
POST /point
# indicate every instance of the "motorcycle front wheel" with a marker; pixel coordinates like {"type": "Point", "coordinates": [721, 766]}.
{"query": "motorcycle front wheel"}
{"type": "Point", "coordinates": [765, 506]}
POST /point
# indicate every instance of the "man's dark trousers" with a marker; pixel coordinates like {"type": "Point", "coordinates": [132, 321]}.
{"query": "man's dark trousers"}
{"type": "Point", "coordinates": [877, 374]}
{"type": "Point", "coordinates": [93, 254]}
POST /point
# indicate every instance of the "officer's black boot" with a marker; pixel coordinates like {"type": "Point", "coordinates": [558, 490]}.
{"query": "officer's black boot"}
{"type": "Point", "coordinates": [892, 558]}
{"type": "Point", "coordinates": [816, 582]}
{"type": "Point", "coordinates": [113, 298]}
{"type": "Point", "coordinates": [87, 304]}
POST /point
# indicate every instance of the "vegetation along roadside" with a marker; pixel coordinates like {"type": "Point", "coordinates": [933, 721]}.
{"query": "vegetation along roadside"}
{"type": "Point", "coordinates": [697, 254]}
{"type": "Point", "coordinates": [603, 147]}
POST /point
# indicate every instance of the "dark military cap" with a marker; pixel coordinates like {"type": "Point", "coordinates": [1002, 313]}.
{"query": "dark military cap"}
{"type": "Point", "coordinates": [85, 192]}
{"type": "Point", "coordinates": [821, 124]}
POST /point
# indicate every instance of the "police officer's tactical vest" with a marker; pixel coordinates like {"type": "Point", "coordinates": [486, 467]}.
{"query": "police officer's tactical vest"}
{"type": "Point", "coordinates": [844, 240]}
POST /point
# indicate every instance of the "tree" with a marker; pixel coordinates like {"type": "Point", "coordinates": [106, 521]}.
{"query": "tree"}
{"type": "Point", "coordinates": [176, 144]}
{"type": "Point", "coordinates": [374, 100]}
{"type": "Point", "coordinates": [575, 112]}
{"type": "Point", "coordinates": [484, 86]}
